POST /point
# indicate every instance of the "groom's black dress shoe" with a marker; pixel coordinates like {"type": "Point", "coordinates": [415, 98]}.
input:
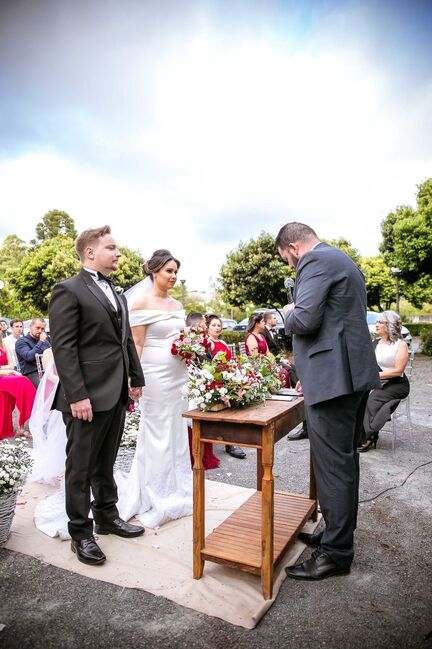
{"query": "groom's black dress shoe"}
{"type": "Point", "coordinates": [319, 566]}
{"type": "Point", "coordinates": [313, 540]}
{"type": "Point", "coordinates": [88, 551]}
{"type": "Point", "coordinates": [299, 434]}
{"type": "Point", "coordinates": [120, 528]}
{"type": "Point", "coordinates": [235, 451]}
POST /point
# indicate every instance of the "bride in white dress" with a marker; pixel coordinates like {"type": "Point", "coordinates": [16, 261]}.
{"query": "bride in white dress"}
{"type": "Point", "coordinates": [159, 486]}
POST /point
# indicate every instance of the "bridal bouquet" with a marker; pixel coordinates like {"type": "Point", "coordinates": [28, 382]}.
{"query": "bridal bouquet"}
{"type": "Point", "coordinates": [15, 463]}
{"type": "Point", "coordinates": [130, 430]}
{"type": "Point", "coordinates": [225, 383]}
{"type": "Point", "coordinates": [190, 344]}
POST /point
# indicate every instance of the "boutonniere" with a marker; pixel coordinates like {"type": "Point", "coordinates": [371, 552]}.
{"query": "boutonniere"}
{"type": "Point", "coordinates": [119, 290]}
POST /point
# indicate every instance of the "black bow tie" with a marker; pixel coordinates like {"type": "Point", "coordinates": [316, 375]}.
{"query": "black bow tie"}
{"type": "Point", "coordinates": [102, 277]}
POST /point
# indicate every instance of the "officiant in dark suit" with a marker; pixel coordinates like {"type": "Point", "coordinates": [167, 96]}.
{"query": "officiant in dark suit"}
{"type": "Point", "coordinates": [336, 364]}
{"type": "Point", "coordinates": [98, 369]}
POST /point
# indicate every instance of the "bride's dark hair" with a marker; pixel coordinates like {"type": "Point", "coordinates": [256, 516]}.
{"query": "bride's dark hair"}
{"type": "Point", "coordinates": [158, 259]}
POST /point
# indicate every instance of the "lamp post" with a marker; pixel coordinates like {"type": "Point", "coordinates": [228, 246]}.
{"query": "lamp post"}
{"type": "Point", "coordinates": [183, 282]}
{"type": "Point", "coordinates": [396, 272]}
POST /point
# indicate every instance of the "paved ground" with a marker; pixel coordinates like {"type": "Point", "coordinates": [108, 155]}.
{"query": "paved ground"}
{"type": "Point", "coordinates": [386, 601]}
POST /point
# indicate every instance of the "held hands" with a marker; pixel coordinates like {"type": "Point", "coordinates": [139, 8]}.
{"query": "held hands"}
{"type": "Point", "coordinates": [287, 308]}
{"type": "Point", "coordinates": [135, 393]}
{"type": "Point", "coordinates": [43, 337]}
{"type": "Point", "coordinates": [82, 410]}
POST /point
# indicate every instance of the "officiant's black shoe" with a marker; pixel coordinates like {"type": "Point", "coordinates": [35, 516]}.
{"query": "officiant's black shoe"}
{"type": "Point", "coordinates": [299, 434]}
{"type": "Point", "coordinates": [88, 551]}
{"type": "Point", "coordinates": [120, 528]}
{"type": "Point", "coordinates": [312, 540]}
{"type": "Point", "coordinates": [235, 451]}
{"type": "Point", "coordinates": [319, 566]}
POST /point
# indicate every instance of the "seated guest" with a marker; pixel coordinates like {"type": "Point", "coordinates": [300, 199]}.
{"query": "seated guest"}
{"type": "Point", "coordinates": [15, 390]}
{"type": "Point", "coordinates": [391, 353]}
{"type": "Point", "coordinates": [26, 348]}
{"type": "Point", "coordinates": [16, 326]}
{"type": "Point", "coordinates": [4, 331]}
{"type": "Point", "coordinates": [214, 329]}
{"type": "Point", "coordinates": [255, 341]}
{"type": "Point", "coordinates": [275, 348]}
{"type": "Point", "coordinates": [210, 461]}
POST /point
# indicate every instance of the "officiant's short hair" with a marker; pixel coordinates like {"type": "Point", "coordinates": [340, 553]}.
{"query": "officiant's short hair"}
{"type": "Point", "coordinates": [88, 237]}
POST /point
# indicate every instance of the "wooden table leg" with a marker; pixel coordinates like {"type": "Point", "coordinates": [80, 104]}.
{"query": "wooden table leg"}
{"type": "Point", "coordinates": [267, 512]}
{"type": "Point", "coordinates": [259, 469]}
{"type": "Point", "coordinates": [198, 500]}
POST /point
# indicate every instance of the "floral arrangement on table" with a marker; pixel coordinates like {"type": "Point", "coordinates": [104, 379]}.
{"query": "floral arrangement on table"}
{"type": "Point", "coordinates": [222, 383]}
{"type": "Point", "coordinates": [131, 425]}
{"type": "Point", "coordinates": [190, 345]}
{"type": "Point", "coordinates": [269, 370]}
{"type": "Point", "coordinates": [15, 463]}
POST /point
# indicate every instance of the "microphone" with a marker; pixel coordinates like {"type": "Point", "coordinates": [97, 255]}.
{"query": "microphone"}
{"type": "Point", "coordinates": [289, 285]}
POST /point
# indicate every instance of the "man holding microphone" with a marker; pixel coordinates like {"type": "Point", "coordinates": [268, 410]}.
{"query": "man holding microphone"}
{"type": "Point", "coordinates": [336, 365]}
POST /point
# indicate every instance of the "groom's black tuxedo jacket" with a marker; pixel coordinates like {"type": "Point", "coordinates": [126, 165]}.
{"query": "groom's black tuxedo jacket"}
{"type": "Point", "coordinates": [92, 345]}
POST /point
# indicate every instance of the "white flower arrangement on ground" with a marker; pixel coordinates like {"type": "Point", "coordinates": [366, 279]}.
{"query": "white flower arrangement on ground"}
{"type": "Point", "coordinates": [232, 383]}
{"type": "Point", "coordinates": [15, 463]}
{"type": "Point", "coordinates": [130, 431]}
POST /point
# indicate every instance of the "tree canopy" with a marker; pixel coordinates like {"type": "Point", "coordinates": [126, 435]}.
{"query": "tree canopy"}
{"type": "Point", "coordinates": [407, 245]}
{"type": "Point", "coordinates": [53, 224]}
{"type": "Point", "coordinates": [254, 274]}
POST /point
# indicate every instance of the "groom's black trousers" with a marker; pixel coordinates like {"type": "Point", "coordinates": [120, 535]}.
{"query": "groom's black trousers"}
{"type": "Point", "coordinates": [91, 451]}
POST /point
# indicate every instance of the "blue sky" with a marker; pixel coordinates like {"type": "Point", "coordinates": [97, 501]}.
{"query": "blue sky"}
{"type": "Point", "coordinates": [194, 125]}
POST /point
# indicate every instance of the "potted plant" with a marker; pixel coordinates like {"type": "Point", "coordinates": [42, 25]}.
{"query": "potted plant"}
{"type": "Point", "coordinates": [15, 463]}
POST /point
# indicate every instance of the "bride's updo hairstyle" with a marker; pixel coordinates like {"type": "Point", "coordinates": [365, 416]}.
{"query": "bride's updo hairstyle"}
{"type": "Point", "coordinates": [158, 259]}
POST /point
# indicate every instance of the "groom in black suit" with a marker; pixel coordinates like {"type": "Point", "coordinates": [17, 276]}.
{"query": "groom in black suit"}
{"type": "Point", "coordinates": [98, 367]}
{"type": "Point", "coordinates": [336, 365]}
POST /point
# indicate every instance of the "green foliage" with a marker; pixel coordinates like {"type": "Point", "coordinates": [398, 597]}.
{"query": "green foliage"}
{"type": "Point", "coordinates": [129, 271]}
{"type": "Point", "coordinates": [418, 328]}
{"type": "Point", "coordinates": [254, 274]}
{"type": "Point", "coordinates": [407, 245]}
{"type": "Point", "coordinates": [55, 223]}
{"type": "Point", "coordinates": [12, 252]}
{"type": "Point", "coordinates": [50, 262]}
{"type": "Point", "coordinates": [426, 341]}
{"type": "Point", "coordinates": [380, 282]}
{"type": "Point", "coordinates": [233, 336]}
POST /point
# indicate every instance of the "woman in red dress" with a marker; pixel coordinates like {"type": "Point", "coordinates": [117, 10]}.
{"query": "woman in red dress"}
{"type": "Point", "coordinates": [15, 390]}
{"type": "Point", "coordinates": [256, 343]}
{"type": "Point", "coordinates": [214, 330]}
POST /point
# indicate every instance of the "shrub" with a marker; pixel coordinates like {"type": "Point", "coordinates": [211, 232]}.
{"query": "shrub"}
{"type": "Point", "coordinates": [426, 341]}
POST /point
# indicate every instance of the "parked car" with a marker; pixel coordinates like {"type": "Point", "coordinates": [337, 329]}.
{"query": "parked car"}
{"type": "Point", "coordinates": [372, 317]}
{"type": "Point", "coordinates": [227, 323]}
{"type": "Point", "coordinates": [280, 326]}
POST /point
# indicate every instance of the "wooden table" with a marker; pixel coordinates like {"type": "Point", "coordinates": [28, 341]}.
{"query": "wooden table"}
{"type": "Point", "coordinates": [257, 534]}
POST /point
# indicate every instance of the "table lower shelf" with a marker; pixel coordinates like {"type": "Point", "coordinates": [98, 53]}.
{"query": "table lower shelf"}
{"type": "Point", "coordinates": [237, 542]}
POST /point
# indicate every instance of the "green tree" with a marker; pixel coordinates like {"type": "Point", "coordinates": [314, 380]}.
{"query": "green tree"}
{"type": "Point", "coordinates": [12, 251]}
{"type": "Point", "coordinates": [33, 280]}
{"type": "Point", "coordinates": [380, 282]}
{"type": "Point", "coordinates": [407, 245]}
{"type": "Point", "coordinates": [55, 223]}
{"type": "Point", "coordinates": [253, 274]}
{"type": "Point", "coordinates": [129, 271]}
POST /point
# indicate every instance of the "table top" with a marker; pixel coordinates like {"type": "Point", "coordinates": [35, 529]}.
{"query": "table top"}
{"type": "Point", "coordinates": [262, 414]}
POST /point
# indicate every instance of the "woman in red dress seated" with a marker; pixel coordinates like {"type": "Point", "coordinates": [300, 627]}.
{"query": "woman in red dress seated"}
{"type": "Point", "coordinates": [256, 343]}
{"type": "Point", "coordinates": [15, 390]}
{"type": "Point", "coordinates": [214, 330]}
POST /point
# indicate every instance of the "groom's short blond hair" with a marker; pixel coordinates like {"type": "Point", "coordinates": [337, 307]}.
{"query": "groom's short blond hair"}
{"type": "Point", "coordinates": [88, 237]}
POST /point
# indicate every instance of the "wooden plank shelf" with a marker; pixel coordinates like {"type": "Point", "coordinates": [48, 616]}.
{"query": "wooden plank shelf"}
{"type": "Point", "coordinates": [237, 541]}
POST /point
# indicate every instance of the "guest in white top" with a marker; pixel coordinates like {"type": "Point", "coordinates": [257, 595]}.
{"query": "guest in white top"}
{"type": "Point", "coordinates": [392, 357]}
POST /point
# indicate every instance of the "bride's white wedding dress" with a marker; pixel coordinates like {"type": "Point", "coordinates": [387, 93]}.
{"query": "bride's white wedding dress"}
{"type": "Point", "coordinates": [159, 485]}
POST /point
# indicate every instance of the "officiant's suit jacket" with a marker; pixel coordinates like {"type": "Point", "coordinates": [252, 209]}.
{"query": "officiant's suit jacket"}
{"type": "Point", "coordinates": [92, 345]}
{"type": "Point", "coordinates": [332, 346]}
